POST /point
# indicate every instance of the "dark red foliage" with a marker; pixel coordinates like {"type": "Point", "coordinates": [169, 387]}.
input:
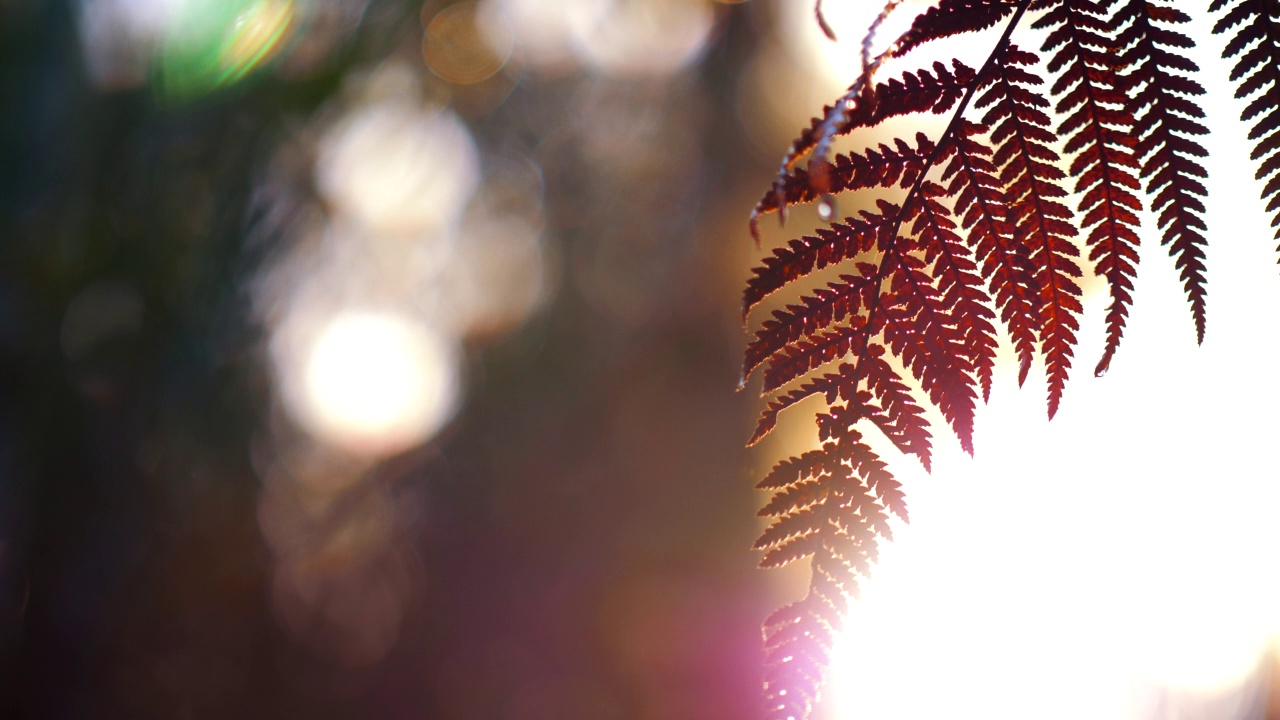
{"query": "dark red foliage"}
{"type": "Point", "coordinates": [1165, 113]}
{"type": "Point", "coordinates": [1097, 127]}
{"type": "Point", "coordinates": [1256, 47]}
{"type": "Point", "coordinates": [916, 92]}
{"type": "Point", "coordinates": [952, 17]}
{"type": "Point", "coordinates": [978, 238]}
{"type": "Point", "coordinates": [1032, 181]}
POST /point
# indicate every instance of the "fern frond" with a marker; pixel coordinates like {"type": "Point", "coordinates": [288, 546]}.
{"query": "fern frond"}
{"type": "Point", "coordinates": [980, 229]}
{"type": "Point", "coordinates": [915, 92]}
{"type": "Point", "coordinates": [1098, 131]}
{"type": "Point", "coordinates": [798, 640]}
{"type": "Point", "coordinates": [955, 274]}
{"type": "Point", "coordinates": [883, 167]}
{"type": "Point", "coordinates": [803, 256]}
{"type": "Point", "coordinates": [1256, 44]}
{"type": "Point", "coordinates": [795, 497]}
{"type": "Point", "coordinates": [898, 416]}
{"type": "Point", "coordinates": [1032, 184]}
{"type": "Point", "coordinates": [832, 385]}
{"type": "Point", "coordinates": [817, 312]}
{"type": "Point", "coordinates": [793, 470]}
{"type": "Point", "coordinates": [917, 295]}
{"type": "Point", "coordinates": [833, 510]}
{"type": "Point", "coordinates": [923, 329]}
{"type": "Point", "coordinates": [953, 17]}
{"type": "Point", "coordinates": [799, 358]}
{"type": "Point", "coordinates": [794, 521]}
{"type": "Point", "coordinates": [1006, 264]}
{"type": "Point", "coordinates": [1166, 117]}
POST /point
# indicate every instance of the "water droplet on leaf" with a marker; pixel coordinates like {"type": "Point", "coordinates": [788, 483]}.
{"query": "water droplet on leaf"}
{"type": "Point", "coordinates": [826, 208]}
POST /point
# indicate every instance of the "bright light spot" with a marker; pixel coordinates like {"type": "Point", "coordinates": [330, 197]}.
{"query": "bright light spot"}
{"type": "Point", "coordinates": [212, 43]}
{"type": "Point", "coordinates": [498, 277]}
{"type": "Point", "coordinates": [543, 30]}
{"type": "Point", "coordinates": [456, 50]}
{"type": "Point", "coordinates": [1044, 581]}
{"type": "Point", "coordinates": [372, 383]}
{"type": "Point", "coordinates": [120, 37]}
{"type": "Point", "coordinates": [255, 35]}
{"type": "Point", "coordinates": [836, 64]}
{"type": "Point", "coordinates": [199, 44]}
{"type": "Point", "coordinates": [616, 37]}
{"type": "Point", "coordinates": [398, 167]}
{"type": "Point", "coordinates": [658, 37]}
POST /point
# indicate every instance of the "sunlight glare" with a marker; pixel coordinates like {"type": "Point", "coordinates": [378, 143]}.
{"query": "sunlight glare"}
{"type": "Point", "coordinates": [836, 63]}
{"type": "Point", "coordinates": [255, 35]}
{"type": "Point", "coordinates": [614, 37]}
{"type": "Point", "coordinates": [1081, 568]}
{"type": "Point", "coordinates": [398, 166]}
{"type": "Point", "coordinates": [195, 45]}
{"type": "Point", "coordinates": [459, 50]}
{"type": "Point", "coordinates": [1117, 561]}
{"type": "Point", "coordinates": [375, 383]}
{"type": "Point", "coordinates": [543, 31]}
{"type": "Point", "coordinates": [653, 38]}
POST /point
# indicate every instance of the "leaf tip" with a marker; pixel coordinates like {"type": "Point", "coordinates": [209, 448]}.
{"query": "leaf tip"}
{"type": "Point", "coordinates": [1103, 366]}
{"type": "Point", "coordinates": [822, 21]}
{"type": "Point", "coordinates": [1024, 367]}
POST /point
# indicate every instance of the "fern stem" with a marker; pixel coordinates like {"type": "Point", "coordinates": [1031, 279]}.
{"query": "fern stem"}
{"type": "Point", "coordinates": [839, 112]}
{"type": "Point", "coordinates": [952, 126]}
{"type": "Point", "coordinates": [870, 38]}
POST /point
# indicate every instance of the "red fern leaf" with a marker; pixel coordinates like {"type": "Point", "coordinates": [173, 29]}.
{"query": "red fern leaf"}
{"type": "Point", "coordinates": [898, 416]}
{"type": "Point", "coordinates": [883, 167]}
{"type": "Point", "coordinates": [829, 509]}
{"type": "Point", "coordinates": [921, 328]}
{"type": "Point", "coordinates": [1165, 116]}
{"type": "Point", "coordinates": [793, 470]}
{"type": "Point", "coordinates": [1006, 264]}
{"type": "Point", "coordinates": [797, 496]}
{"type": "Point", "coordinates": [803, 256]}
{"type": "Point", "coordinates": [952, 17]}
{"type": "Point", "coordinates": [832, 385]}
{"type": "Point", "coordinates": [955, 274]}
{"type": "Point", "coordinates": [1256, 44]}
{"type": "Point", "coordinates": [819, 311]}
{"type": "Point", "coordinates": [1097, 129]}
{"type": "Point", "coordinates": [802, 356]}
{"type": "Point", "coordinates": [916, 92]}
{"type": "Point", "coordinates": [793, 523]}
{"type": "Point", "coordinates": [1041, 222]}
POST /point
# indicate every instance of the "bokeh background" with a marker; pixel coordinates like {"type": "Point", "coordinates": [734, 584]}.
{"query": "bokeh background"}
{"type": "Point", "coordinates": [377, 358]}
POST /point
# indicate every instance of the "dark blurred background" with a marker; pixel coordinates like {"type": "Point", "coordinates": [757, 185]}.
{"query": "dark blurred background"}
{"type": "Point", "coordinates": [377, 359]}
